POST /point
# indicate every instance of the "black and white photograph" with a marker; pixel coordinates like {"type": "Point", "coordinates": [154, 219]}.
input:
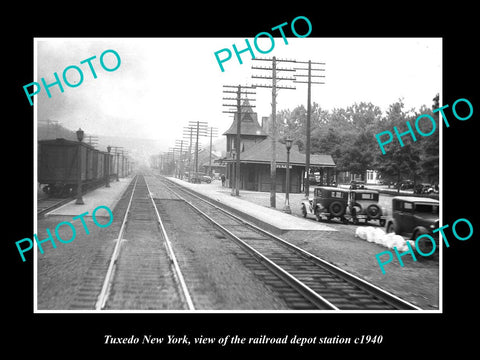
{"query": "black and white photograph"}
{"type": "Point", "coordinates": [215, 204]}
{"type": "Point", "coordinates": [267, 184]}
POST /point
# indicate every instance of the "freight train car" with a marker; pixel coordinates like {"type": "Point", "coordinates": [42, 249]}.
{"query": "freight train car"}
{"type": "Point", "coordinates": [58, 166]}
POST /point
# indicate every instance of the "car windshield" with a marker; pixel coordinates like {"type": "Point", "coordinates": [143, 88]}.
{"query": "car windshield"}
{"type": "Point", "coordinates": [426, 208]}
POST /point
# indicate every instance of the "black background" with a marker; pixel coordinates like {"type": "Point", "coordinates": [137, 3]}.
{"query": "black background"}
{"type": "Point", "coordinates": [83, 334]}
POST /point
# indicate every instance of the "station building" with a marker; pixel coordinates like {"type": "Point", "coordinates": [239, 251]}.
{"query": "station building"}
{"type": "Point", "coordinates": [256, 155]}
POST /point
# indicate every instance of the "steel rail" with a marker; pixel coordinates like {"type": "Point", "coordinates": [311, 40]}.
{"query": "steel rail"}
{"type": "Point", "coordinates": [54, 206]}
{"type": "Point", "coordinates": [386, 296]}
{"type": "Point", "coordinates": [103, 296]}
{"type": "Point", "coordinates": [312, 296]}
{"type": "Point", "coordinates": [173, 259]}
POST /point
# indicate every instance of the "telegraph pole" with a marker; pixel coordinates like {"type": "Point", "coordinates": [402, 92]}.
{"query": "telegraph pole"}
{"type": "Point", "coordinates": [274, 86]}
{"type": "Point", "coordinates": [200, 130]}
{"type": "Point", "coordinates": [239, 92]}
{"type": "Point", "coordinates": [116, 153]}
{"type": "Point", "coordinates": [180, 170]}
{"type": "Point", "coordinates": [188, 132]}
{"type": "Point", "coordinates": [309, 114]}
{"type": "Point", "coordinates": [213, 132]}
{"type": "Point", "coordinates": [172, 151]}
{"type": "Point", "coordinates": [92, 140]}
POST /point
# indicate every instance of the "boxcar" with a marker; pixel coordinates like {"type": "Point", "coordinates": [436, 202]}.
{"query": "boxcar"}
{"type": "Point", "coordinates": [58, 165]}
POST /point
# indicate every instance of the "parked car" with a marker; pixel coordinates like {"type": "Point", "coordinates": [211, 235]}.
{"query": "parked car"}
{"type": "Point", "coordinates": [414, 216]}
{"type": "Point", "coordinates": [199, 178]}
{"type": "Point", "coordinates": [363, 204]}
{"type": "Point", "coordinates": [357, 184]}
{"type": "Point", "coordinates": [206, 178]}
{"type": "Point", "coordinates": [405, 185]}
{"type": "Point", "coordinates": [424, 189]}
{"type": "Point", "coordinates": [328, 202]}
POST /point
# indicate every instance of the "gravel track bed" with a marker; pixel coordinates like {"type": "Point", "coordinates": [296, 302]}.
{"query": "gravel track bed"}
{"type": "Point", "coordinates": [70, 277]}
{"type": "Point", "coordinates": [216, 270]}
{"type": "Point", "coordinates": [416, 282]}
{"type": "Point", "coordinates": [213, 266]}
{"type": "Point", "coordinates": [215, 276]}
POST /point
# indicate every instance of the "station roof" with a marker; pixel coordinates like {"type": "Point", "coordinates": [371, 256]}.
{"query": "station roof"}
{"type": "Point", "coordinates": [261, 153]}
{"type": "Point", "coordinates": [249, 124]}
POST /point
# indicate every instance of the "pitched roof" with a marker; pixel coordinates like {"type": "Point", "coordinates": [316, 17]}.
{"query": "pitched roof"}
{"type": "Point", "coordinates": [204, 157]}
{"type": "Point", "coordinates": [262, 153]}
{"type": "Point", "coordinates": [249, 124]}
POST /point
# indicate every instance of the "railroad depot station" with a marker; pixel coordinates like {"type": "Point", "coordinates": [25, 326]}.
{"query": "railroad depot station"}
{"type": "Point", "coordinates": [197, 221]}
{"type": "Point", "coordinates": [256, 156]}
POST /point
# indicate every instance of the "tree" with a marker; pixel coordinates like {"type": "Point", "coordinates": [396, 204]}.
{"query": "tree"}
{"type": "Point", "coordinates": [430, 156]}
{"type": "Point", "coordinates": [348, 135]}
{"type": "Point", "coordinates": [399, 161]}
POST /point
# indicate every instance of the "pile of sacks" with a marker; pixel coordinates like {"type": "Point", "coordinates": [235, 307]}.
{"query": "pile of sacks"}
{"type": "Point", "coordinates": [378, 236]}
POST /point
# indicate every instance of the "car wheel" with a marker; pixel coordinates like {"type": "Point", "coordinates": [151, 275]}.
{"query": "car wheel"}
{"type": "Point", "coordinates": [424, 246]}
{"type": "Point", "coordinates": [373, 211]}
{"type": "Point", "coordinates": [304, 211]}
{"type": "Point", "coordinates": [390, 228]}
{"type": "Point", "coordinates": [337, 208]}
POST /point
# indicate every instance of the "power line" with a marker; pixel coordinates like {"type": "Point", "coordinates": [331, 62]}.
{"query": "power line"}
{"type": "Point", "coordinates": [236, 154]}
{"type": "Point", "coordinates": [213, 132]}
{"type": "Point", "coordinates": [200, 130]}
{"type": "Point", "coordinates": [274, 87]}
{"type": "Point", "coordinates": [309, 81]}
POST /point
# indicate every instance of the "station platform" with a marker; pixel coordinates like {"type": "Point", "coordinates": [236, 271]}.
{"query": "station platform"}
{"type": "Point", "coordinates": [248, 205]}
{"type": "Point", "coordinates": [101, 196]}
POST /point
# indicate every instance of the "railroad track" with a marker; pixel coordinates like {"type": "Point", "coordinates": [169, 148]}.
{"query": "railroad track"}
{"type": "Point", "coordinates": [48, 204]}
{"type": "Point", "coordinates": [143, 272]}
{"type": "Point", "coordinates": [302, 279]}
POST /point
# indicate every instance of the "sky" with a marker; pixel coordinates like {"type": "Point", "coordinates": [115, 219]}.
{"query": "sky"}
{"type": "Point", "coordinates": [163, 83]}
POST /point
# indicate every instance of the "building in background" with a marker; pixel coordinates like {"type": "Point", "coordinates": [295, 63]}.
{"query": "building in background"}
{"type": "Point", "coordinates": [256, 155]}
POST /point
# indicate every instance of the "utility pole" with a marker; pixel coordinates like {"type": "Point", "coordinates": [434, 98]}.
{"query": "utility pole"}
{"type": "Point", "coordinates": [116, 153]}
{"type": "Point", "coordinates": [213, 132]}
{"type": "Point", "coordinates": [124, 160]}
{"type": "Point", "coordinates": [92, 140]}
{"type": "Point", "coordinates": [172, 151]}
{"type": "Point", "coordinates": [274, 86]}
{"type": "Point", "coordinates": [309, 114]}
{"type": "Point", "coordinates": [188, 133]}
{"type": "Point", "coordinates": [200, 130]}
{"type": "Point", "coordinates": [239, 92]}
{"type": "Point", "coordinates": [180, 170]}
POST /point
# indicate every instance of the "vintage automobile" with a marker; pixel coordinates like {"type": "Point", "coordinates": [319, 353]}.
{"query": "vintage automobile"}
{"type": "Point", "coordinates": [363, 204]}
{"type": "Point", "coordinates": [414, 216]}
{"type": "Point", "coordinates": [200, 177]}
{"type": "Point", "coordinates": [357, 184]}
{"type": "Point", "coordinates": [405, 185]}
{"type": "Point", "coordinates": [425, 189]}
{"type": "Point", "coordinates": [328, 202]}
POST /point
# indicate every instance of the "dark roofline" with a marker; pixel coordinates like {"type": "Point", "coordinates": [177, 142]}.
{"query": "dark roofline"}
{"type": "Point", "coordinates": [260, 153]}
{"type": "Point", "coordinates": [230, 160]}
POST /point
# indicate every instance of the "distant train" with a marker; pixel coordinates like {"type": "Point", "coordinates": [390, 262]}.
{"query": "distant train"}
{"type": "Point", "coordinates": [58, 166]}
